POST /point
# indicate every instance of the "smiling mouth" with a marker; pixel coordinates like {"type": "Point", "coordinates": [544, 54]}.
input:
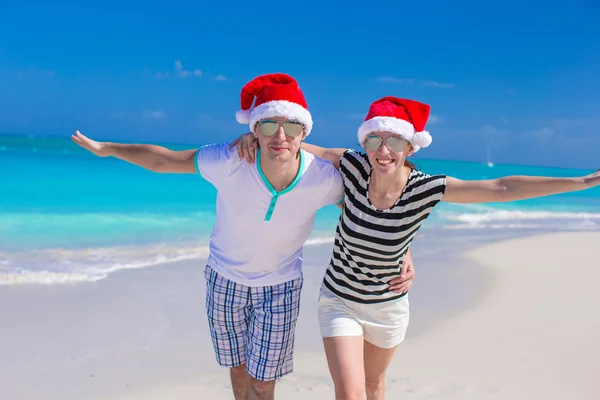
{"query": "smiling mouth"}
{"type": "Point", "coordinates": [385, 161]}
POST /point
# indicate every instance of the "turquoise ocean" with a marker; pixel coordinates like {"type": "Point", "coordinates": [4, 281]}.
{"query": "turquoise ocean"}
{"type": "Point", "coordinates": [69, 216]}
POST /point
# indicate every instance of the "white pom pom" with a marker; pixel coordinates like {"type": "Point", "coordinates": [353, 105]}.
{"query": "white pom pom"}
{"type": "Point", "coordinates": [421, 139]}
{"type": "Point", "coordinates": [243, 116]}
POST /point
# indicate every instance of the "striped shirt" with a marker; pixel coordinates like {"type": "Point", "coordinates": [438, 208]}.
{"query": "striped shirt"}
{"type": "Point", "coordinates": [369, 243]}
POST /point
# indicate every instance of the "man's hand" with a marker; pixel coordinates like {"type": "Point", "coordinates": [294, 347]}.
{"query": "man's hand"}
{"type": "Point", "coordinates": [404, 282]}
{"type": "Point", "coordinates": [246, 146]}
{"type": "Point", "coordinates": [98, 148]}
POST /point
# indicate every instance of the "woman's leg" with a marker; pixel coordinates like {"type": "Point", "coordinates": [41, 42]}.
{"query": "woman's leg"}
{"type": "Point", "coordinates": [376, 362]}
{"type": "Point", "coordinates": [385, 327]}
{"type": "Point", "coordinates": [345, 360]}
{"type": "Point", "coordinates": [343, 340]}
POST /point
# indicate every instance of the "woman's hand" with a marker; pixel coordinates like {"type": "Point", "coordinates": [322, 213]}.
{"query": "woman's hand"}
{"type": "Point", "coordinates": [592, 180]}
{"type": "Point", "coordinates": [246, 146]}
{"type": "Point", "coordinates": [404, 282]}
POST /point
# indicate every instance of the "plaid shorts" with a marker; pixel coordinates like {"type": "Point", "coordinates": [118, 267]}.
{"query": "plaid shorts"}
{"type": "Point", "coordinates": [253, 325]}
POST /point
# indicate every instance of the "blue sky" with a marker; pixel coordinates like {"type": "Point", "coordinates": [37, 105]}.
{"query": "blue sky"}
{"type": "Point", "coordinates": [512, 76]}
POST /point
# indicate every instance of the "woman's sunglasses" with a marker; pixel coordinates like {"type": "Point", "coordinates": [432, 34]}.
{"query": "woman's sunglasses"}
{"type": "Point", "coordinates": [291, 128]}
{"type": "Point", "coordinates": [396, 144]}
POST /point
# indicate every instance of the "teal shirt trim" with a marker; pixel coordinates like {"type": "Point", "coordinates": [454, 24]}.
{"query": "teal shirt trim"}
{"type": "Point", "coordinates": [272, 190]}
{"type": "Point", "coordinates": [196, 162]}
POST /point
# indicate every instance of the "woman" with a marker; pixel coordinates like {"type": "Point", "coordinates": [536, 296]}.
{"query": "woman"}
{"type": "Point", "coordinates": [386, 201]}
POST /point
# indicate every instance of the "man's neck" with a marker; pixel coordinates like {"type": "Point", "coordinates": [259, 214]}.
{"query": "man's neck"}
{"type": "Point", "coordinates": [280, 174]}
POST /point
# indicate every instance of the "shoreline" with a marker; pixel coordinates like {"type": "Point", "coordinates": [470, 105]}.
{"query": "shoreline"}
{"type": "Point", "coordinates": [46, 266]}
{"type": "Point", "coordinates": [142, 334]}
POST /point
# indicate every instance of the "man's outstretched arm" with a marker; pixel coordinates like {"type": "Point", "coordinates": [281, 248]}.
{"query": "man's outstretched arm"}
{"type": "Point", "coordinates": [152, 157]}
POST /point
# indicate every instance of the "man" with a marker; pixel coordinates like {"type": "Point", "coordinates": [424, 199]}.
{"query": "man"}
{"type": "Point", "coordinates": [265, 213]}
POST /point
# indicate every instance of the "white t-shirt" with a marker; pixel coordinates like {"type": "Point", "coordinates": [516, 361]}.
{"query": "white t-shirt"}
{"type": "Point", "coordinates": [259, 233]}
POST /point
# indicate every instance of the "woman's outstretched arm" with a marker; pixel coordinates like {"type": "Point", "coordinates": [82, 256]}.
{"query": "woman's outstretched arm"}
{"type": "Point", "coordinates": [512, 188]}
{"type": "Point", "coordinates": [332, 155]}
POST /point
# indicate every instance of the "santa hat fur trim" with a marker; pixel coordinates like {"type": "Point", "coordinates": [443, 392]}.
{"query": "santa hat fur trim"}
{"type": "Point", "coordinates": [276, 108]}
{"type": "Point", "coordinates": [396, 126]}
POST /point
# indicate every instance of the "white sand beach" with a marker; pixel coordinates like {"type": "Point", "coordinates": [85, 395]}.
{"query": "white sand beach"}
{"type": "Point", "coordinates": [516, 319]}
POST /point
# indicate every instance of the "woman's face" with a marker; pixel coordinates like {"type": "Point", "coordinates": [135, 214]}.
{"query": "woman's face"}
{"type": "Point", "coordinates": [386, 151]}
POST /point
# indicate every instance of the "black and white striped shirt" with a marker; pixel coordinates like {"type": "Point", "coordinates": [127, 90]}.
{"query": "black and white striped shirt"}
{"type": "Point", "coordinates": [369, 243]}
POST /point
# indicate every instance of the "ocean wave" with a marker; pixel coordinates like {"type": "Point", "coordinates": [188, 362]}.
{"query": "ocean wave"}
{"type": "Point", "coordinates": [492, 226]}
{"type": "Point", "coordinates": [50, 266]}
{"type": "Point", "coordinates": [316, 241]}
{"type": "Point", "coordinates": [506, 219]}
{"type": "Point", "coordinates": [64, 266]}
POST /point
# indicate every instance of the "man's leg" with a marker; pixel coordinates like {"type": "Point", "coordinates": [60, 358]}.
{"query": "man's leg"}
{"type": "Point", "coordinates": [260, 390]}
{"type": "Point", "coordinates": [227, 310]}
{"type": "Point", "coordinates": [272, 328]}
{"type": "Point", "coordinates": [239, 381]}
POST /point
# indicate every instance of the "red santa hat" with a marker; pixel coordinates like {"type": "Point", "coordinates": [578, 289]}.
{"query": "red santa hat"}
{"type": "Point", "coordinates": [277, 95]}
{"type": "Point", "coordinates": [403, 117]}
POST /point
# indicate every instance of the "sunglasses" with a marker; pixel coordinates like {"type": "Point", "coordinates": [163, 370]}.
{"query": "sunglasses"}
{"type": "Point", "coordinates": [291, 128]}
{"type": "Point", "coordinates": [396, 144]}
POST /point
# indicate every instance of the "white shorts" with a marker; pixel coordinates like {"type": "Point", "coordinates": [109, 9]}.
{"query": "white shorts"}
{"type": "Point", "coordinates": [382, 324]}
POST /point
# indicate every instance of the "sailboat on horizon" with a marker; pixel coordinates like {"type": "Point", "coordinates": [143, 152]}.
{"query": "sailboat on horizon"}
{"type": "Point", "coordinates": [488, 160]}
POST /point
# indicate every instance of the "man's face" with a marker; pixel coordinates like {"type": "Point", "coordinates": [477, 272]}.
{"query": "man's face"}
{"type": "Point", "coordinates": [280, 147]}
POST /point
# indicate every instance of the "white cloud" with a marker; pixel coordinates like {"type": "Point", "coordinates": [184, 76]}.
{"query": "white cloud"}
{"type": "Point", "coordinates": [440, 85]}
{"type": "Point", "coordinates": [570, 123]}
{"type": "Point", "coordinates": [542, 135]}
{"type": "Point", "coordinates": [154, 114]}
{"type": "Point", "coordinates": [488, 130]}
{"type": "Point", "coordinates": [118, 114]}
{"type": "Point", "coordinates": [391, 79]}
{"type": "Point", "coordinates": [427, 83]}
{"type": "Point", "coordinates": [31, 71]}
{"type": "Point", "coordinates": [494, 136]}
{"type": "Point", "coordinates": [147, 114]}
{"type": "Point", "coordinates": [206, 119]}
{"type": "Point", "coordinates": [181, 72]}
{"type": "Point", "coordinates": [433, 119]}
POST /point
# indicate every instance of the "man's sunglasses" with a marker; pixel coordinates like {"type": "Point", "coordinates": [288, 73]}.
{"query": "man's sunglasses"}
{"type": "Point", "coordinates": [291, 128]}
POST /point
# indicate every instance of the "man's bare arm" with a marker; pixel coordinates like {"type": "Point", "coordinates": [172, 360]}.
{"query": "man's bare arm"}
{"type": "Point", "coordinates": [152, 157]}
